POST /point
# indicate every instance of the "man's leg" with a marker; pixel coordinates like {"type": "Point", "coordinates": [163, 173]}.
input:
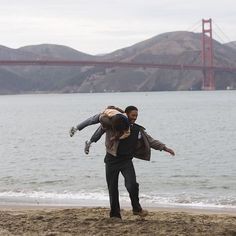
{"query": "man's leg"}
{"type": "Point", "coordinates": [131, 185]}
{"type": "Point", "coordinates": [112, 177]}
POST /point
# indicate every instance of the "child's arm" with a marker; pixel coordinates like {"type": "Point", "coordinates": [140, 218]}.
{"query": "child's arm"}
{"type": "Point", "coordinates": [97, 134]}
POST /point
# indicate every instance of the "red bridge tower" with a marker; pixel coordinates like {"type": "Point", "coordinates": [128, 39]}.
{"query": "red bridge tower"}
{"type": "Point", "coordinates": [208, 82]}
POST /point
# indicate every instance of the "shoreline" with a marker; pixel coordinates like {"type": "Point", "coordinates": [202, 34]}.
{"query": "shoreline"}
{"type": "Point", "coordinates": [41, 220]}
{"type": "Point", "coordinates": [79, 203]}
{"type": "Point", "coordinates": [170, 209]}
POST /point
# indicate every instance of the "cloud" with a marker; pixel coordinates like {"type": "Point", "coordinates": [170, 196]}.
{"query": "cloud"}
{"type": "Point", "coordinates": [100, 26]}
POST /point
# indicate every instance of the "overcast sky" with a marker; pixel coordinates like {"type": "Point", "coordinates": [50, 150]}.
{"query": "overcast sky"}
{"type": "Point", "coordinates": [101, 26]}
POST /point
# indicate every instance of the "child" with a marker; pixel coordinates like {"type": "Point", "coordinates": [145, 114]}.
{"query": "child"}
{"type": "Point", "coordinates": [130, 112]}
{"type": "Point", "coordinates": [111, 118]}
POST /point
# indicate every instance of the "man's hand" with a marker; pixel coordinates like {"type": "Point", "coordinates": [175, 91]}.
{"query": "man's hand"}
{"type": "Point", "coordinates": [72, 131]}
{"type": "Point", "coordinates": [166, 149]}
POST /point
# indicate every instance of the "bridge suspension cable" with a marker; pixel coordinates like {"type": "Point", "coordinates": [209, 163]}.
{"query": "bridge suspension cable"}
{"type": "Point", "coordinates": [196, 26]}
{"type": "Point", "coordinates": [228, 39]}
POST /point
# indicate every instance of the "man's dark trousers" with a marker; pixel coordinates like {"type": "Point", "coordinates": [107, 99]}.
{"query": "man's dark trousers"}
{"type": "Point", "coordinates": [125, 166]}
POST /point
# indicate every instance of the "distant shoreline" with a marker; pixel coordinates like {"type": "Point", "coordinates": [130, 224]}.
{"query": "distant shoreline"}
{"type": "Point", "coordinates": [61, 92]}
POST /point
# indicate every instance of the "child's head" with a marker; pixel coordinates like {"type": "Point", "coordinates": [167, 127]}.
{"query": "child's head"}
{"type": "Point", "coordinates": [120, 122]}
{"type": "Point", "coordinates": [105, 122]}
{"type": "Point", "coordinates": [132, 113]}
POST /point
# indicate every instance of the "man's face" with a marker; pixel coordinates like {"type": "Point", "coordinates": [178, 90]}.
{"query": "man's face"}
{"type": "Point", "coordinates": [132, 116]}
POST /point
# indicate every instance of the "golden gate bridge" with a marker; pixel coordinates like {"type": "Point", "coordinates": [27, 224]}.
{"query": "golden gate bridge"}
{"type": "Point", "coordinates": [207, 67]}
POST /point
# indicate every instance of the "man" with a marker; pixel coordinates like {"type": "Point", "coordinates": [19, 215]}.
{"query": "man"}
{"type": "Point", "coordinates": [119, 155]}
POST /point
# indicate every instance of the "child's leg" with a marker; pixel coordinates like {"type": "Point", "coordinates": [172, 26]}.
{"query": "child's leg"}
{"type": "Point", "coordinates": [90, 121]}
{"type": "Point", "coordinates": [95, 137]}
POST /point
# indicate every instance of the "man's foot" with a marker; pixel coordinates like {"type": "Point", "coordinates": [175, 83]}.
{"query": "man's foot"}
{"type": "Point", "coordinates": [141, 213]}
{"type": "Point", "coordinates": [114, 219]}
{"type": "Point", "coordinates": [87, 146]}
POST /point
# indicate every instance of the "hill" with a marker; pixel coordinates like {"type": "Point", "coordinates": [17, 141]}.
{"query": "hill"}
{"type": "Point", "coordinates": [179, 47]}
{"type": "Point", "coordinates": [168, 48]}
{"type": "Point", "coordinates": [232, 44]}
{"type": "Point", "coordinates": [52, 51]}
{"type": "Point", "coordinates": [41, 78]}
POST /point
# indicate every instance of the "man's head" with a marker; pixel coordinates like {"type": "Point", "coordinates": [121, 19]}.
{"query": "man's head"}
{"type": "Point", "coordinates": [132, 113]}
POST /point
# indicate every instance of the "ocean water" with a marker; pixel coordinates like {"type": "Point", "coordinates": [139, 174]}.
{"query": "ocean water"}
{"type": "Point", "coordinates": [41, 164]}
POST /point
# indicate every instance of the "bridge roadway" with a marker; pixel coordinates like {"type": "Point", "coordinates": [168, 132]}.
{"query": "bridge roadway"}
{"type": "Point", "coordinates": [112, 64]}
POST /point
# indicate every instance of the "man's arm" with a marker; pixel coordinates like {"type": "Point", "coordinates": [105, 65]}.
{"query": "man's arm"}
{"type": "Point", "coordinates": [169, 150]}
{"type": "Point", "coordinates": [157, 145]}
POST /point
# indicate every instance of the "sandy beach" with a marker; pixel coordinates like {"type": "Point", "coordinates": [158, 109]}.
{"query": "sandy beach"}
{"type": "Point", "coordinates": [95, 221]}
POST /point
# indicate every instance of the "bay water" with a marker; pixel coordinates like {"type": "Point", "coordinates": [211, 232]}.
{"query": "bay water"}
{"type": "Point", "coordinates": [41, 164]}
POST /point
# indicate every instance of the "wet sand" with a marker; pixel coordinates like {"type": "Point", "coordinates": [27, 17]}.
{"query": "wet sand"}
{"type": "Point", "coordinates": [95, 221]}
